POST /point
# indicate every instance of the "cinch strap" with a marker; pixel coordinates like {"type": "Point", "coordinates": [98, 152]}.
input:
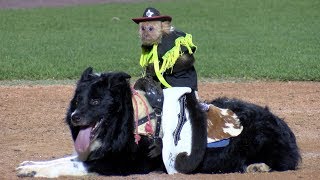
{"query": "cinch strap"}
{"type": "Point", "coordinates": [217, 144]}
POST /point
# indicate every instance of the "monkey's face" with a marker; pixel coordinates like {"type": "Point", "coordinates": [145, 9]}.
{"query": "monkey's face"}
{"type": "Point", "coordinates": [150, 32]}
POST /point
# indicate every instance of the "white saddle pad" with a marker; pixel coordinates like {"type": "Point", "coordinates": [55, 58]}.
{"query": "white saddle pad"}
{"type": "Point", "coordinates": [174, 142]}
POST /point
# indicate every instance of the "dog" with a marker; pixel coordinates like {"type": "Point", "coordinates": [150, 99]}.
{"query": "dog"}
{"type": "Point", "coordinates": [102, 119]}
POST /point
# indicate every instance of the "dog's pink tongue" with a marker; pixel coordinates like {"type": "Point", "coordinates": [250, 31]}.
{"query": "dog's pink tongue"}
{"type": "Point", "coordinates": [82, 143]}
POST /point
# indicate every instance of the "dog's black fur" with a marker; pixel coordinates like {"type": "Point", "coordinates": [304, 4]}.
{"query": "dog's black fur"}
{"type": "Point", "coordinates": [106, 98]}
{"type": "Point", "coordinates": [118, 153]}
{"type": "Point", "coordinates": [265, 139]}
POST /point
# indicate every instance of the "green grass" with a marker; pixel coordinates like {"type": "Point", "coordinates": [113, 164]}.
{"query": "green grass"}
{"type": "Point", "coordinates": [250, 39]}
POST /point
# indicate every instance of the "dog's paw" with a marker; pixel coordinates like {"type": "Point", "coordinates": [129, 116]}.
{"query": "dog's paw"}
{"type": "Point", "coordinates": [25, 170]}
{"type": "Point", "coordinates": [46, 169]}
{"type": "Point", "coordinates": [257, 167]}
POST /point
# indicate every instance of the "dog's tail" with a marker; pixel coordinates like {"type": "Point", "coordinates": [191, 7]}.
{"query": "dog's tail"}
{"type": "Point", "coordinates": [188, 163]}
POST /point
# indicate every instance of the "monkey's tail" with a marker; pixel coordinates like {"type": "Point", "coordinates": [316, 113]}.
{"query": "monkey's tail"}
{"type": "Point", "coordinates": [188, 163]}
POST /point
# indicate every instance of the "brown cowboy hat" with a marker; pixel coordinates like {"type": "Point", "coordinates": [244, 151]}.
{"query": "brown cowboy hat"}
{"type": "Point", "coordinates": [152, 14]}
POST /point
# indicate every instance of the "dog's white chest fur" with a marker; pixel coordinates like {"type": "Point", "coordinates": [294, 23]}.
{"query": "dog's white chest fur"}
{"type": "Point", "coordinates": [171, 110]}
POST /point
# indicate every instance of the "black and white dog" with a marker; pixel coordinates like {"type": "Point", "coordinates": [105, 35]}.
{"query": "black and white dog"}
{"type": "Point", "coordinates": [101, 118]}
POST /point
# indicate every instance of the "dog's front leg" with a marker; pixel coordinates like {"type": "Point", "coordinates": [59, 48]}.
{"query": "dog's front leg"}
{"type": "Point", "coordinates": [68, 166]}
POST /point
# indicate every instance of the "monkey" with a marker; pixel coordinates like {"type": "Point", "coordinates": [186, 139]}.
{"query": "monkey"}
{"type": "Point", "coordinates": [151, 32]}
{"type": "Point", "coordinates": [167, 58]}
{"type": "Point", "coordinates": [155, 29]}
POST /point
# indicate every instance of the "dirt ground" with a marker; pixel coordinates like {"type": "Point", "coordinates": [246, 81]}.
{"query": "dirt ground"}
{"type": "Point", "coordinates": [33, 128]}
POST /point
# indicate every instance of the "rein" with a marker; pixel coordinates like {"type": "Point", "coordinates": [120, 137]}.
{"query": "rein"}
{"type": "Point", "coordinates": [148, 127]}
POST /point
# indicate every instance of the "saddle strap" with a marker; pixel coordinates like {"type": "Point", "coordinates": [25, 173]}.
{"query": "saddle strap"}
{"type": "Point", "coordinates": [156, 116]}
{"type": "Point", "coordinates": [146, 118]}
{"type": "Point", "coordinates": [158, 126]}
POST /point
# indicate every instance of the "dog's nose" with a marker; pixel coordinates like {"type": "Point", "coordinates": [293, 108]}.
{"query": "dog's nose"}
{"type": "Point", "coordinates": [75, 118]}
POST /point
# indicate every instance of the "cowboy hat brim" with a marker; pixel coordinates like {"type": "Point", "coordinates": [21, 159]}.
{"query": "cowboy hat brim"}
{"type": "Point", "coordinates": [154, 18]}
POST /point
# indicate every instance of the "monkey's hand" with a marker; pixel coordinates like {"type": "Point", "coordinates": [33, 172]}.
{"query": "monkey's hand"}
{"type": "Point", "coordinates": [185, 61]}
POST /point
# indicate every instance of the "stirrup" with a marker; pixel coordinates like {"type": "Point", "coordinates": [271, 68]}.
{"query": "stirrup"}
{"type": "Point", "coordinates": [204, 106]}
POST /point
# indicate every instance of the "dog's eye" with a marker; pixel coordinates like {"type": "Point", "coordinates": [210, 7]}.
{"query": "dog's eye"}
{"type": "Point", "coordinates": [94, 102]}
{"type": "Point", "coordinates": [76, 101]}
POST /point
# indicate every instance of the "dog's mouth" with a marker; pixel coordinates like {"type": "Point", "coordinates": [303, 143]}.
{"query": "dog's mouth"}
{"type": "Point", "coordinates": [85, 138]}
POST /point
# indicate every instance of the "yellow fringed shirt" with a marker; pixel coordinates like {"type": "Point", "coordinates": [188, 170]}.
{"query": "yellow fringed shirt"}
{"type": "Point", "coordinates": [170, 56]}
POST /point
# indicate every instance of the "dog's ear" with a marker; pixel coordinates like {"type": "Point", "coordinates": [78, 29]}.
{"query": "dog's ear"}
{"type": "Point", "coordinates": [120, 78]}
{"type": "Point", "coordinates": [114, 79]}
{"type": "Point", "coordinates": [87, 74]}
{"type": "Point", "coordinates": [122, 75]}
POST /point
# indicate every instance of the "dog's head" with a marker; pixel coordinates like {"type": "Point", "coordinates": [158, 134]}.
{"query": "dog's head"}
{"type": "Point", "coordinates": [100, 115]}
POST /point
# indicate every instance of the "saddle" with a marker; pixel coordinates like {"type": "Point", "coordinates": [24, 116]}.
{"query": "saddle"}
{"type": "Point", "coordinates": [222, 123]}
